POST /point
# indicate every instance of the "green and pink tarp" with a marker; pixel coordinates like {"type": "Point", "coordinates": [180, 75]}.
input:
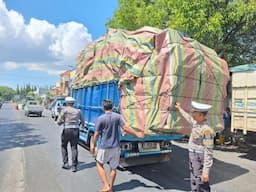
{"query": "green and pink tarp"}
{"type": "Point", "coordinates": [155, 69]}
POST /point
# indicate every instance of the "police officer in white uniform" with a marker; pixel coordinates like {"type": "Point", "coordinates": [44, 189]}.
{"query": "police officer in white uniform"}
{"type": "Point", "coordinates": [200, 146]}
{"type": "Point", "coordinates": [70, 118]}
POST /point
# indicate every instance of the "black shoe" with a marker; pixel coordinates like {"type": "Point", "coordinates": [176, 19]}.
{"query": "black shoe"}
{"type": "Point", "coordinates": [74, 169]}
{"type": "Point", "coordinates": [65, 166]}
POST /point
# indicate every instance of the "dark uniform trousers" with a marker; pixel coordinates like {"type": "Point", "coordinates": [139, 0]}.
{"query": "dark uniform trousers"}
{"type": "Point", "coordinates": [196, 161]}
{"type": "Point", "coordinates": [70, 135]}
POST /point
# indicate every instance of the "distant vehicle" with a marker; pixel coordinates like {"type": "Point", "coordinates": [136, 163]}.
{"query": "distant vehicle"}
{"type": "Point", "coordinates": [33, 107]}
{"type": "Point", "coordinates": [52, 104]}
{"type": "Point", "coordinates": [56, 107]}
{"type": "Point", "coordinates": [25, 101]}
{"type": "Point", "coordinates": [30, 98]}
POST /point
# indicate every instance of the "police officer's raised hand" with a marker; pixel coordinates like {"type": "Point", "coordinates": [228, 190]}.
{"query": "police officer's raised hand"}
{"type": "Point", "coordinates": [177, 106]}
{"type": "Point", "coordinates": [140, 134]}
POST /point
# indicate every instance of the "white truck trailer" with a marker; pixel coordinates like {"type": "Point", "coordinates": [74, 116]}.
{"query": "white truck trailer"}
{"type": "Point", "coordinates": [243, 105]}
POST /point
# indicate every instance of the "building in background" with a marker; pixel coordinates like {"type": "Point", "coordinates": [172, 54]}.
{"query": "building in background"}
{"type": "Point", "coordinates": [42, 91]}
{"type": "Point", "coordinates": [72, 78]}
{"type": "Point", "coordinates": [55, 91]}
{"type": "Point", "coordinates": [63, 86]}
{"type": "Point", "coordinates": [65, 83]}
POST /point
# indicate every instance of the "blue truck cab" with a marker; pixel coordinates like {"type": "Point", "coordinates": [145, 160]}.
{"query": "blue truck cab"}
{"type": "Point", "coordinates": [134, 151]}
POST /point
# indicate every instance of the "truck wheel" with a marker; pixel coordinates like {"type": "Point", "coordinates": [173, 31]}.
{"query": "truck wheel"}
{"type": "Point", "coordinates": [238, 138]}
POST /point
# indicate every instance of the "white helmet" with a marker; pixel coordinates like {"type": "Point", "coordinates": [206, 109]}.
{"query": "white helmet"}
{"type": "Point", "coordinates": [69, 100]}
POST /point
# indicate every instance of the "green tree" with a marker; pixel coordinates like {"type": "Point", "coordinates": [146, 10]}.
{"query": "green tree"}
{"type": "Point", "coordinates": [227, 26]}
{"type": "Point", "coordinates": [28, 88]}
{"type": "Point", "coordinates": [18, 89]}
{"type": "Point", "coordinates": [30, 94]}
{"type": "Point", "coordinates": [6, 92]}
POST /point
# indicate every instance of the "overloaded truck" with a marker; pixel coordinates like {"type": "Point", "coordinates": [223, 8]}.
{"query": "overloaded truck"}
{"type": "Point", "coordinates": [152, 148]}
{"type": "Point", "coordinates": [145, 72]}
{"type": "Point", "coordinates": [243, 104]}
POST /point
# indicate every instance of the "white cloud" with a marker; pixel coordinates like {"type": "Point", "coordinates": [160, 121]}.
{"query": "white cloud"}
{"type": "Point", "coordinates": [39, 30]}
{"type": "Point", "coordinates": [39, 45]}
{"type": "Point", "coordinates": [11, 66]}
{"type": "Point", "coordinates": [68, 38]}
{"type": "Point", "coordinates": [32, 67]}
{"type": "Point", "coordinates": [42, 67]}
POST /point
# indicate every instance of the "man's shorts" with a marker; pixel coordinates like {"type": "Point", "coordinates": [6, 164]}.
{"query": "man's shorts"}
{"type": "Point", "coordinates": [111, 156]}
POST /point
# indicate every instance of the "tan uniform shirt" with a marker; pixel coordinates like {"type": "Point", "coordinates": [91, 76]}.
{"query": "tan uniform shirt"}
{"type": "Point", "coordinates": [201, 140]}
{"type": "Point", "coordinates": [71, 118]}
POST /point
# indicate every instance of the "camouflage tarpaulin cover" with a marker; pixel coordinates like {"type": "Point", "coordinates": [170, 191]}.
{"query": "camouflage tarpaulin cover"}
{"type": "Point", "coordinates": [155, 69]}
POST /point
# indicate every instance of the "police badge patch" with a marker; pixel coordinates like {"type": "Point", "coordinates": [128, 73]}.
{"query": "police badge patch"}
{"type": "Point", "coordinates": [208, 139]}
{"type": "Point", "coordinates": [208, 134]}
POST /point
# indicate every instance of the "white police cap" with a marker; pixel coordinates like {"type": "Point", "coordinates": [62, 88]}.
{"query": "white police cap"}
{"type": "Point", "coordinates": [69, 99]}
{"type": "Point", "coordinates": [200, 107]}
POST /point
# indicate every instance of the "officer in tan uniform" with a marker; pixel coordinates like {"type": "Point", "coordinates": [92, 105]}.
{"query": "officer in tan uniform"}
{"type": "Point", "coordinates": [200, 146]}
{"type": "Point", "coordinates": [70, 118]}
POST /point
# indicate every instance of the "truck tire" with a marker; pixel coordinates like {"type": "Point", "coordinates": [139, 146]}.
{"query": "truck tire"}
{"type": "Point", "coordinates": [238, 138]}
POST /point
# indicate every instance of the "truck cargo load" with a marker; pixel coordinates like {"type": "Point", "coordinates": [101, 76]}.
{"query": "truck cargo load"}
{"type": "Point", "coordinates": [155, 69]}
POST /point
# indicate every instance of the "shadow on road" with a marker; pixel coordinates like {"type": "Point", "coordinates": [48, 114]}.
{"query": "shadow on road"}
{"type": "Point", "coordinates": [83, 165]}
{"type": "Point", "coordinates": [223, 171]}
{"type": "Point", "coordinates": [132, 184]}
{"type": "Point", "coordinates": [248, 150]}
{"type": "Point", "coordinates": [168, 175]}
{"type": "Point", "coordinates": [250, 154]}
{"type": "Point", "coordinates": [174, 174]}
{"type": "Point", "coordinates": [17, 134]}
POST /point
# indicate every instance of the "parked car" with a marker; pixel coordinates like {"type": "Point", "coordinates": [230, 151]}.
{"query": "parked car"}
{"type": "Point", "coordinates": [33, 107]}
{"type": "Point", "coordinates": [56, 108]}
{"type": "Point", "coordinates": [24, 102]}
{"type": "Point", "coordinates": [52, 104]}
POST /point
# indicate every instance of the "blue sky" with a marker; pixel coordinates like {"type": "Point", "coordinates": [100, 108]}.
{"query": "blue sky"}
{"type": "Point", "coordinates": [40, 39]}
